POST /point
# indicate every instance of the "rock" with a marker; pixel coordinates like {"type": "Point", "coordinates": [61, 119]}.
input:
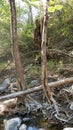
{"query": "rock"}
{"type": "Point", "coordinates": [23, 127]}
{"type": "Point", "coordinates": [68, 128]}
{"type": "Point", "coordinates": [12, 124]}
{"type": "Point", "coordinates": [34, 82]}
{"type": "Point", "coordinates": [51, 79]}
{"type": "Point", "coordinates": [4, 85]}
{"type": "Point", "coordinates": [71, 106]}
{"type": "Point", "coordinates": [6, 81]}
{"type": "Point", "coordinates": [32, 128]}
{"type": "Point", "coordinates": [26, 119]}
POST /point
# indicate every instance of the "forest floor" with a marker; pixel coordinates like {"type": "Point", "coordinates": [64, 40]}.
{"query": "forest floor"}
{"type": "Point", "coordinates": [57, 70]}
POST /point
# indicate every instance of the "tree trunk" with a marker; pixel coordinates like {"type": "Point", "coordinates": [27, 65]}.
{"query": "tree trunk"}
{"type": "Point", "coordinates": [14, 43]}
{"type": "Point", "coordinates": [30, 16]}
{"type": "Point", "coordinates": [37, 34]}
{"type": "Point", "coordinates": [46, 88]}
{"type": "Point", "coordinates": [47, 92]}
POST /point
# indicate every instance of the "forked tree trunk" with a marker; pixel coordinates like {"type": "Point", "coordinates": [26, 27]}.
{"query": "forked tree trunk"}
{"type": "Point", "coordinates": [46, 90]}
{"type": "Point", "coordinates": [14, 43]}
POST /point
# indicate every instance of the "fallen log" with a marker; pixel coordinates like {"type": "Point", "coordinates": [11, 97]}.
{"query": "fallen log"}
{"type": "Point", "coordinates": [31, 90]}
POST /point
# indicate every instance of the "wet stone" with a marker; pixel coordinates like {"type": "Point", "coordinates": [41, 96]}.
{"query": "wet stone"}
{"type": "Point", "coordinates": [12, 124]}
{"type": "Point", "coordinates": [23, 127]}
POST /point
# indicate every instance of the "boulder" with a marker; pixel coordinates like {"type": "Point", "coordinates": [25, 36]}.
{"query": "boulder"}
{"type": "Point", "coordinates": [12, 124]}
{"type": "Point", "coordinates": [23, 127]}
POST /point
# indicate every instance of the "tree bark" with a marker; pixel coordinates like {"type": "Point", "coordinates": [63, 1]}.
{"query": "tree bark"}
{"type": "Point", "coordinates": [14, 43]}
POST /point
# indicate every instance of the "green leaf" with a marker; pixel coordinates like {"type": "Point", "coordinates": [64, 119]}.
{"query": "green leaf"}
{"type": "Point", "coordinates": [58, 7]}
{"type": "Point", "coordinates": [52, 2]}
{"type": "Point", "coordinates": [51, 9]}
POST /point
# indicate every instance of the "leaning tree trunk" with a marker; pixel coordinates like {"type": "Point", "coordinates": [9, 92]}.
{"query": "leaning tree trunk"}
{"type": "Point", "coordinates": [14, 43]}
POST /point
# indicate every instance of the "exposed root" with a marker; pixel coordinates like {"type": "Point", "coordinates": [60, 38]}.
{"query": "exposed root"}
{"type": "Point", "coordinates": [55, 105]}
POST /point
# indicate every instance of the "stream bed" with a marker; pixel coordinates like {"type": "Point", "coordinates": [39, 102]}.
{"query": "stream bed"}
{"type": "Point", "coordinates": [37, 124]}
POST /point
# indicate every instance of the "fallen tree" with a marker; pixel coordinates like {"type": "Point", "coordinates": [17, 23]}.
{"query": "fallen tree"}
{"type": "Point", "coordinates": [56, 84]}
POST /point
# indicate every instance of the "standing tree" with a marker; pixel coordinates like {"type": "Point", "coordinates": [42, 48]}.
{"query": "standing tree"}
{"type": "Point", "coordinates": [43, 52]}
{"type": "Point", "coordinates": [14, 43]}
{"type": "Point", "coordinates": [46, 89]}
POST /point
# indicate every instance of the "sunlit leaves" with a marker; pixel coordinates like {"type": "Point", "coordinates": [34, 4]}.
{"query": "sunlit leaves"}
{"type": "Point", "coordinates": [54, 8]}
{"type": "Point", "coordinates": [51, 9]}
{"type": "Point", "coordinates": [58, 7]}
{"type": "Point", "coordinates": [54, 5]}
{"type": "Point", "coordinates": [4, 11]}
{"type": "Point", "coordinates": [52, 2]}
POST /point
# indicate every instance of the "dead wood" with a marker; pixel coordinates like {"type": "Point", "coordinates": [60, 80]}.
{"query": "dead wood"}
{"type": "Point", "coordinates": [59, 51]}
{"type": "Point", "coordinates": [56, 84]}
{"type": "Point", "coordinates": [46, 89]}
{"type": "Point", "coordinates": [50, 51]}
{"type": "Point", "coordinates": [66, 71]}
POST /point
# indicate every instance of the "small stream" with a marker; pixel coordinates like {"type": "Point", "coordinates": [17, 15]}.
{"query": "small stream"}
{"type": "Point", "coordinates": [37, 124]}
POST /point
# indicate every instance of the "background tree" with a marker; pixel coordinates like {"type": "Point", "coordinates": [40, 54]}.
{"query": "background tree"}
{"type": "Point", "coordinates": [14, 43]}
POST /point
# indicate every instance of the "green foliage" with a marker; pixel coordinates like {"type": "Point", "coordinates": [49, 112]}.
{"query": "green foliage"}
{"type": "Point", "coordinates": [4, 25]}
{"type": "Point", "coordinates": [51, 64]}
{"type": "Point", "coordinates": [25, 36]}
{"type": "Point", "coordinates": [2, 65]}
{"type": "Point", "coordinates": [60, 26]}
{"type": "Point", "coordinates": [54, 8]}
{"type": "Point", "coordinates": [51, 9]}
{"type": "Point", "coordinates": [54, 5]}
{"type": "Point", "coordinates": [38, 57]}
